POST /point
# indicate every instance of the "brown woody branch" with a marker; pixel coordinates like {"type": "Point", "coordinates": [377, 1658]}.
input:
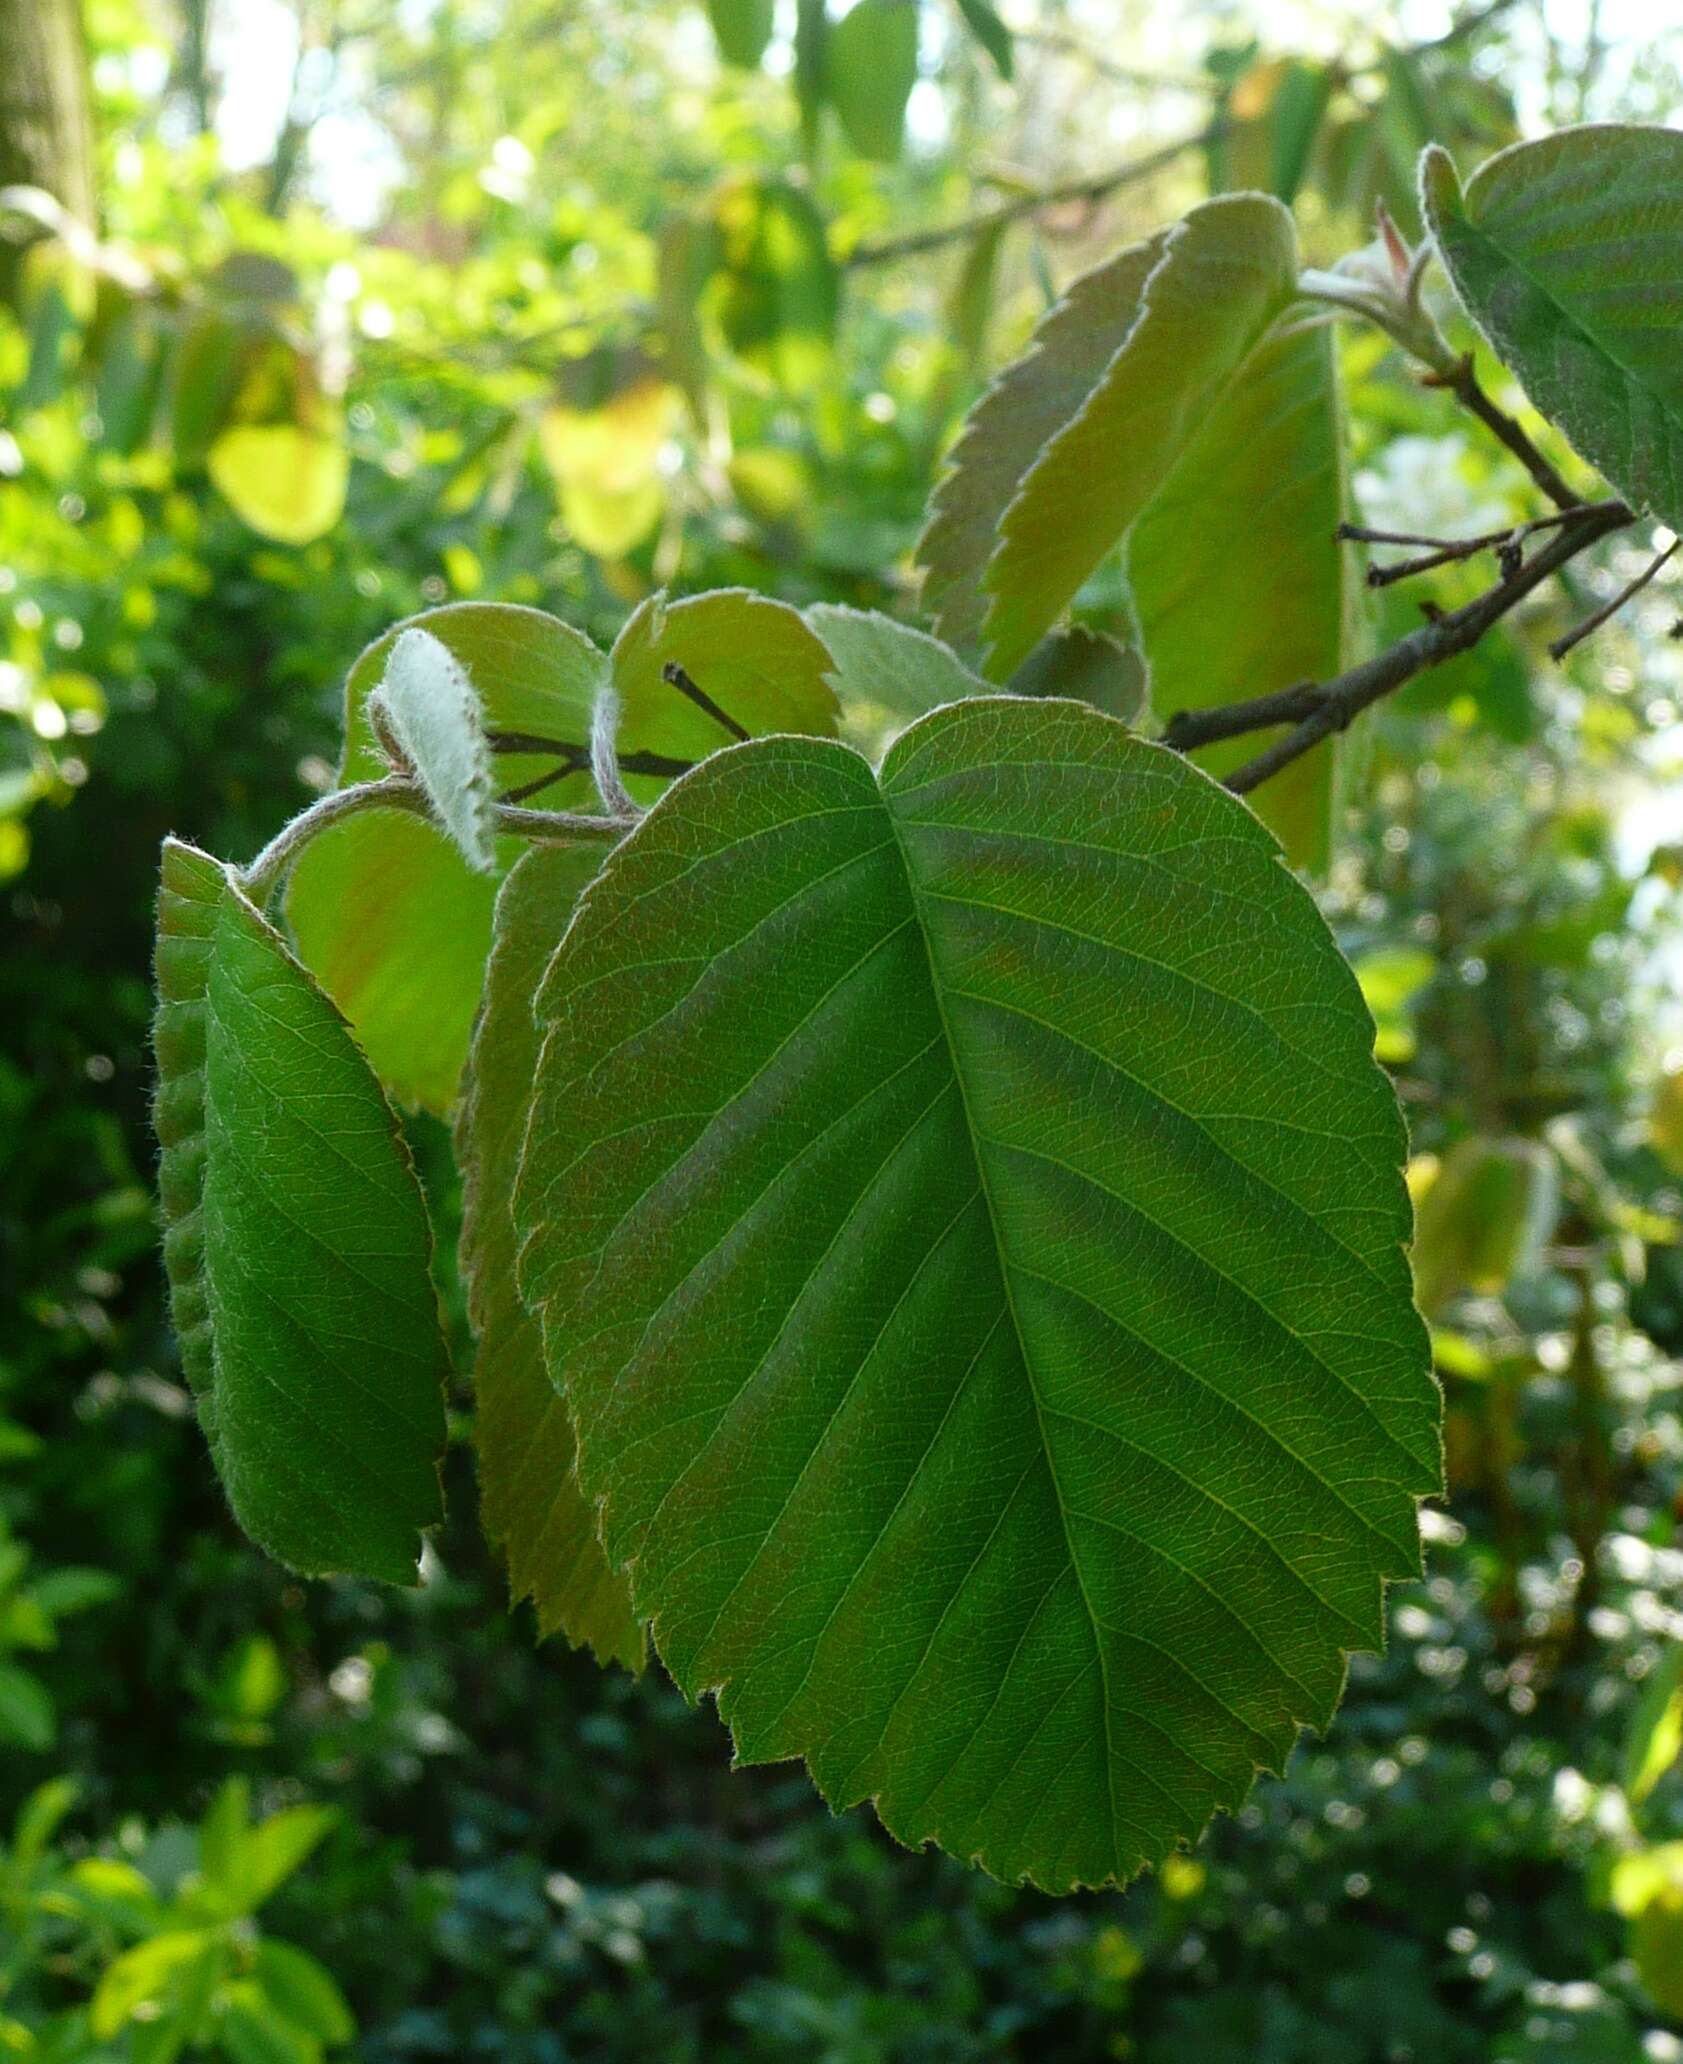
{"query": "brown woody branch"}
{"type": "Point", "coordinates": [1315, 710]}
{"type": "Point", "coordinates": [1095, 187]}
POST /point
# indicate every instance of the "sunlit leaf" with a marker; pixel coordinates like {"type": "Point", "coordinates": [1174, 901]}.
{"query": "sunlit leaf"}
{"type": "Point", "coordinates": [606, 463]}
{"type": "Point", "coordinates": [754, 658]}
{"type": "Point", "coordinates": [774, 295]}
{"type": "Point", "coordinates": [1391, 979]}
{"type": "Point", "coordinates": [1665, 1120]}
{"type": "Point", "coordinates": [1483, 1218]}
{"type": "Point", "coordinates": [1030, 402]}
{"type": "Point", "coordinates": [1239, 583]}
{"type": "Point", "coordinates": [966, 1216]}
{"type": "Point", "coordinates": [388, 915]}
{"type": "Point", "coordinates": [1655, 1737]}
{"type": "Point", "coordinates": [1226, 272]}
{"type": "Point", "coordinates": [286, 481]}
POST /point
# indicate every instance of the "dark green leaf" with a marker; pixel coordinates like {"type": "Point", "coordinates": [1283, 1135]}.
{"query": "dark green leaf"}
{"type": "Point", "coordinates": [743, 29]}
{"type": "Point", "coordinates": [988, 30]}
{"type": "Point", "coordinates": [27, 1718]}
{"type": "Point", "coordinates": [296, 1242]}
{"type": "Point", "coordinates": [968, 1216]}
{"type": "Point", "coordinates": [529, 1496]}
{"type": "Point", "coordinates": [1086, 666]}
{"type": "Point", "coordinates": [297, 1987]}
{"type": "Point", "coordinates": [1565, 253]}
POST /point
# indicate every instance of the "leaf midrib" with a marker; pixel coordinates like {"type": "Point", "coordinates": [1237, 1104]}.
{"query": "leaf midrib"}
{"type": "Point", "coordinates": [938, 992]}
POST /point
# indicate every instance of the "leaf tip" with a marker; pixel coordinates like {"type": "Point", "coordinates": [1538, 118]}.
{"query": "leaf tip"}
{"type": "Point", "coordinates": [1440, 184]}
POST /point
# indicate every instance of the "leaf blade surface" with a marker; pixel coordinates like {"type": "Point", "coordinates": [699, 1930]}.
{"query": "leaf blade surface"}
{"type": "Point", "coordinates": [1005, 1397]}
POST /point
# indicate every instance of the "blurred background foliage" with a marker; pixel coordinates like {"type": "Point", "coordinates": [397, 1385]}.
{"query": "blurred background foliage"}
{"type": "Point", "coordinates": [318, 312]}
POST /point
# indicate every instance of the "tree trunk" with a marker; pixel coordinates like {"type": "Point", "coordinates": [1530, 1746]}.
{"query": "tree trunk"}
{"type": "Point", "coordinates": [46, 119]}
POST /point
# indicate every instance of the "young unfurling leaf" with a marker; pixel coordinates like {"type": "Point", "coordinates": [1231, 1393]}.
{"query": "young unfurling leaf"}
{"type": "Point", "coordinates": [428, 704]}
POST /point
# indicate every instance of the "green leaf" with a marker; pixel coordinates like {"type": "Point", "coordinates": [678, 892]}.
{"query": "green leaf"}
{"type": "Point", "coordinates": [1270, 122]}
{"type": "Point", "coordinates": [151, 1975]}
{"type": "Point", "coordinates": [277, 1848]}
{"type": "Point", "coordinates": [606, 459]}
{"type": "Point", "coordinates": [222, 1835]}
{"type": "Point", "coordinates": [387, 914]}
{"type": "Point", "coordinates": [1239, 583]}
{"type": "Point", "coordinates": [1086, 666]}
{"type": "Point", "coordinates": [286, 480]}
{"type": "Point", "coordinates": [27, 1717]}
{"type": "Point", "coordinates": [253, 2032]}
{"type": "Point", "coordinates": [1226, 272]}
{"type": "Point", "coordinates": [969, 308]}
{"type": "Point", "coordinates": [1655, 1737]}
{"type": "Point", "coordinates": [300, 1990]}
{"type": "Point", "coordinates": [1391, 979]}
{"type": "Point", "coordinates": [774, 295]}
{"type": "Point", "coordinates": [39, 1818]}
{"type": "Point", "coordinates": [1564, 252]}
{"type": "Point", "coordinates": [530, 1501]}
{"type": "Point", "coordinates": [754, 658]}
{"type": "Point", "coordinates": [429, 702]}
{"type": "Point", "coordinates": [872, 68]}
{"type": "Point", "coordinates": [988, 30]}
{"type": "Point", "coordinates": [742, 28]}
{"type": "Point", "coordinates": [1483, 1219]}
{"type": "Point", "coordinates": [885, 674]}
{"type": "Point", "coordinates": [1656, 1941]}
{"type": "Point", "coordinates": [812, 40]}
{"type": "Point", "coordinates": [1665, 1120]}
{"type": "Point", "coordinates": [296, 1243]}
{"type": "Point", "coordinates": [72, 1589]}
{"type": "Point", "coordinates": [968, 1215]}
{"type": "Point", "coordinates": [1030, 402]}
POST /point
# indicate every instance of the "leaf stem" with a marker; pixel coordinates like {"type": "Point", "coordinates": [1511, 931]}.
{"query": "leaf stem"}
{"type": "Point", "coordinates": [398, 792]}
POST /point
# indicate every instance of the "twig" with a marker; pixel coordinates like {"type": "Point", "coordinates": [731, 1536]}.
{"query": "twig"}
{"type": "Point", "coordinates": [1447, 551]}
{"type": "Point", "coordinates": [1594, 621]}
{"type": "Point", "coordinates": [675, 677]}
{"type": "Point", "coordinates": [1316, 710]}
{"type": "Point", "coordinates": [1462, 382]}
{"type": "Point", "coordinates": [1093, 188]}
